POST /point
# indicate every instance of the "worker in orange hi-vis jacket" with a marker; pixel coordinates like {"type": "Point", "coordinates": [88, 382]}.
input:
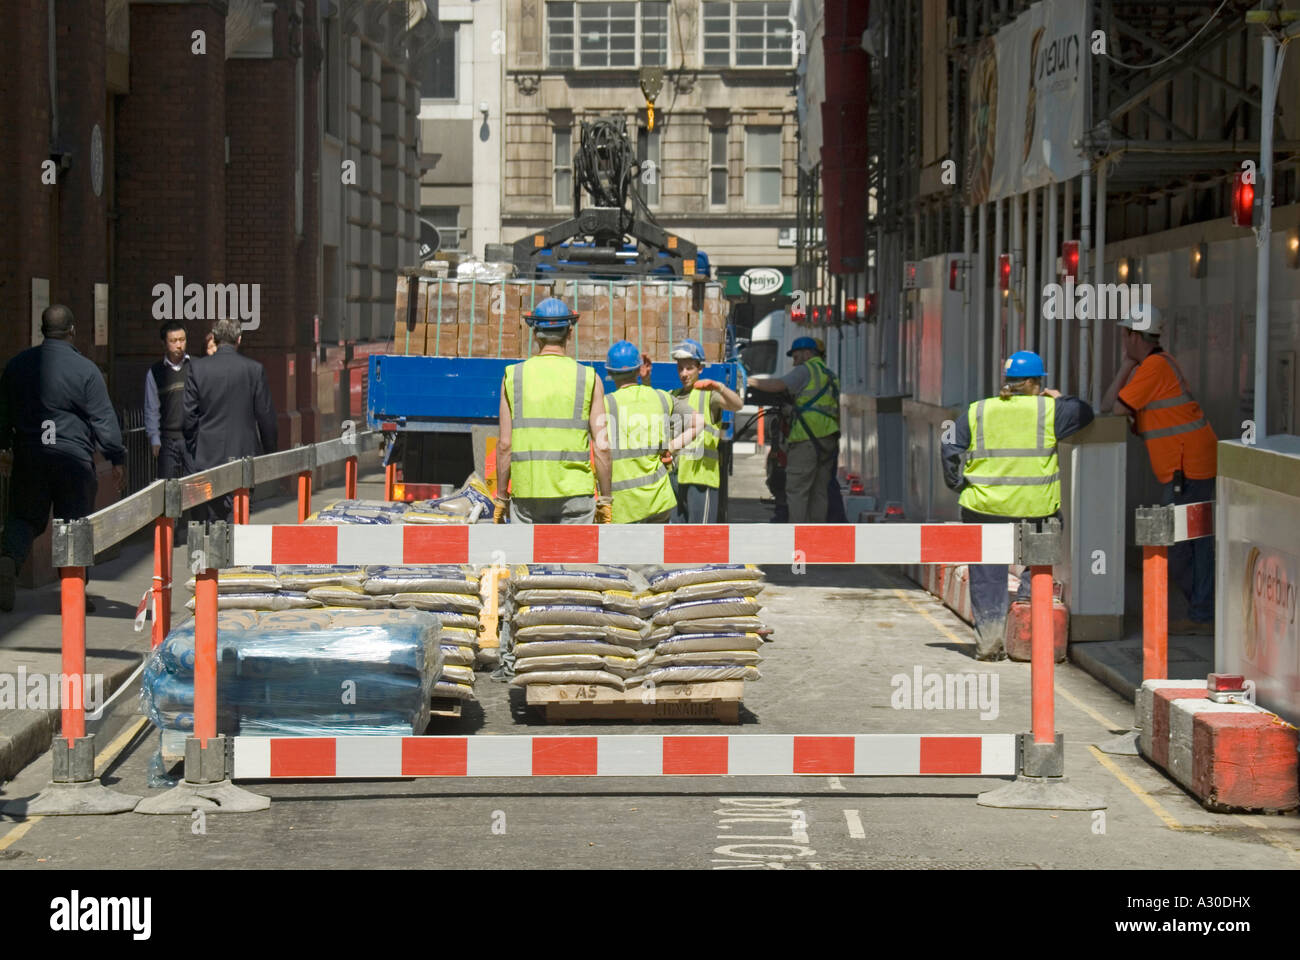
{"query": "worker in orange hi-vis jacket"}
{"type": "Point", "coordinates": [1181, 445]}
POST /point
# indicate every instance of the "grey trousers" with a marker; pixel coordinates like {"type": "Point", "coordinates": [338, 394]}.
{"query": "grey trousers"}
{"type": "Point", "coordinates": [552, 509]}
{"type": "Point", "coordinates": [807, 475]}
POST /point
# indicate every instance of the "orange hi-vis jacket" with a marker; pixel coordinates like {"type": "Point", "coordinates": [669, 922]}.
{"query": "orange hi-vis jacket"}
{"type": "Point", "coordinates": [1170, 421]}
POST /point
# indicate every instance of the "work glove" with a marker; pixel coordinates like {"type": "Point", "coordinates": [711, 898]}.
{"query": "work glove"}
{"type": "Point", "coordinates": [604, 509]}
{"type": "Point", "coordinates": [707, 385]}
{"type": "Point", "coordinates": [501, 506]}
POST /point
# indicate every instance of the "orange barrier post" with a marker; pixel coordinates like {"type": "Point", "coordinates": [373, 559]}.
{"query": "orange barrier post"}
{"type": "Point", "coordinates": [72, 587]}
{"type": "Point", "coordinates": [162, 579]}
{"type": "Point", "coordinates": [1042, 655]}
{"type": "Point", "coordinates": [304, 496]}
{"type": "Point", "coordinates": [1155, 613]}
{"type": "Point", "coordinates": [205, 656]}
{"type": "Point", "coordinates": [240, 500]}
{"type": "Point", "coordinates": [762, 416]}
{"type": "Point", "coordinates": [350, 478]}
{"type": "Point", "coordinates": [390, 478]}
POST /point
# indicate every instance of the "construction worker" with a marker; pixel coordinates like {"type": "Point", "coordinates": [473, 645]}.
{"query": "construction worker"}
{"type": "Point", "coordinates": [1182, 448]}
{"type": "Point", "coordinates": [698, 476]}
{"type": "Point", "coordinates": [815, 433]}
{"type": "Point", "coordinates": [1002, 457]}
{"type": "Point", "coordinates": [638, 437]}
{"type": "Point", "coordinates": [551, 408]}
{"type": "Point", "coordinates": [834, 498]}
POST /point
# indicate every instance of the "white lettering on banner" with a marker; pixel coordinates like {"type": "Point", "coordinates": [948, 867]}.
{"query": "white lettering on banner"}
{"type": "Point", "coordinates": [791, 843]}
{"type": "Point", "coordinates": [74, 914]}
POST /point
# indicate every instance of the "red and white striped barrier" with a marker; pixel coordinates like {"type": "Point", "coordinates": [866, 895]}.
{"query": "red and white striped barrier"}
{"type": "Point", "coordinates": [625, 755]}
{"type": "Point", "coordinates": [1193, 520]}
{"type": "Point", "coordinates": [868, 543]}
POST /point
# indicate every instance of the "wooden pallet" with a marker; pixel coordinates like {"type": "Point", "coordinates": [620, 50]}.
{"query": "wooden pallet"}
{"type": "Point", "coordinates": [445, 707]}
{"type": "Point", "coordinates": [683, 702]}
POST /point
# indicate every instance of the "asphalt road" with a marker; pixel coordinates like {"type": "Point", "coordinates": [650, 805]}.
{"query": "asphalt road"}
{"type": "Point", "coordinates": [841, 634]}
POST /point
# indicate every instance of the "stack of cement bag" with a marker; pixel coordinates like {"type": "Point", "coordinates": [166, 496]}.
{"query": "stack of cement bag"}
{"type": "Point", "coordinates": [576, 624]}
{"type": "Point", "coordinates": [705, 624]}
{"type": "Point", "coordinates": [304, 672]}
{"type": "Point", "coordinates": [472, 503]}
{"type": "Point", "coordinates": [255, 588]}
{"type": "Point", "coordinates": [452, 594]}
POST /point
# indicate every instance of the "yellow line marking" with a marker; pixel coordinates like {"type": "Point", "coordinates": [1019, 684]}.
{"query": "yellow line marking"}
{"type": "Point", "coordinates": [1141, 794]}
{"type": "Point", "coordinates": [17, 833]}
{"type": "Point", "coordinates": [1280, 840]}
{"type": "Point", "coordinates": [925, 613]}
{"type": "Point", "coordinates": [1108, 724]}
{"type": "Point", "coordinates": [117, 746]}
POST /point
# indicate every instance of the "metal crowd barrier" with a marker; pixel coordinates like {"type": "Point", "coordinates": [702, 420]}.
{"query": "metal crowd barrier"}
{"type": "Point", "coordinates": [74, 789]}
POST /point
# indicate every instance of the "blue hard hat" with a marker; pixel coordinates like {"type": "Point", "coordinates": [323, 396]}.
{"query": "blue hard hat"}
{"type": "Point", "coordinates": [623, 357]}
{"type": "Point", "coordinates": [551, 314]}
{"type": "Point", "coordinates": [803, 343]}
{"type": "Point", "coordinates": [1023, 364]}
{"type": "Point", "coordinates": [689, 349]}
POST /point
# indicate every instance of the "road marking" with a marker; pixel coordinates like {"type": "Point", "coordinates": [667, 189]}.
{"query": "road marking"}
{"type": "Point", "coordinates": [1280, 840]}
{"type": "Point", "coordinates": [835, 783]}
{"type": "Point", "coordinates": [117, 746]}
{"type": "Point", "coordinates": [1108, 724]}
{"type": "Point", "coordinates": [855, 825]}
{"type": "Point", "coordinates": [1152, 804]}
{"type": "Point", "coordinates": [925, 613]}
{"type": "Point", "coordinates": [17, 833]}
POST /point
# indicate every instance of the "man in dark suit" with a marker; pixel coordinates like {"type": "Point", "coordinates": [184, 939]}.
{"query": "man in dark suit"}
{"type": "Point", "coordinates": [54, 410]}
{"type": "Point", "coordinates": [228, 412]}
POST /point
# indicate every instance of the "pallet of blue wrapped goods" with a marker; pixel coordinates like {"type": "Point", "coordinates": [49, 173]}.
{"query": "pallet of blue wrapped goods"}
{"type": "Point", "coordinates": [645, 643]}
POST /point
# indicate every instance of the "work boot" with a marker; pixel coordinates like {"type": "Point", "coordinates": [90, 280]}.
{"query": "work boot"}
{"type": "Point", "coordinates": [989, 640]}
{"type": "Point", "coordinates": [8, 579]}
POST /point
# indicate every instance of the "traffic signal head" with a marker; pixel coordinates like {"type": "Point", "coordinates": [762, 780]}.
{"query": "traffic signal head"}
{"type": "Point", "coordinates": [1004, 271]}
{"type": "Point", "coordinates": [1070, 259]}
{"type": "Point", "coordinates": [1243, 201]}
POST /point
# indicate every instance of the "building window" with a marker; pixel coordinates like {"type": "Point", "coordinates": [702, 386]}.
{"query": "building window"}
{"type": "Point", "coordinates": [718, 166]}
{"type": "Point", "coordinates": [331, 74]}
{"type": "Point", "coordinates": [563, 166]}
{"type": "Point", "coordinates": [624, 34]}
{"type": "Point", "coordinates": [444, 224]}
{"type": "Point", "coordinates": [650, 181]}
{"type": "Point", "coordinates": [439, 67]}
{"type": "Point", "coordinates": [763, 166]}
{"type": "Point", "coordinates": [750, 33]}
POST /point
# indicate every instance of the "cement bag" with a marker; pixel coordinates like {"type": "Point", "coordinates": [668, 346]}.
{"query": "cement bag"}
{"type": "Point", "coordinates": [665, 580]}
{"type": "Point", "coordinates": [382, 618]}
{"type": "Point", "coordinates": [652, 603]}
{"type": "Point", "coordinates": [280, 600]}
{"type": "Point", "coordinates": [294, 620]}
{"type": "Point", "coordinates": [708, 610]}
{"type": "Point", "coordinates": [710, 658]}
{"type": "Point", "coordinates": [243, 580]}
{"type": "Point", "coordinates": [555, 631]}
{"type": "Point", "coordinates": [457, 673]}
{"type": "Point", "coordinates": [695, 642]}
{"type": "Point", "coordinates": [359, 512]}
{"type": "Point", "coordinates": [373, 724]}
{"type": "Point", "coordinates": [721, 625]}
{"type": "Point", "coordinates": [469, 504]}
{"type": "Point", "coordinates": [306, 576]}
{"type": "Point", "coordinates": [572, 661]}
{"type": "Point", "coordinates": [447, 578]}
{"type": "Point", "coordinates": [538, 597]}
{"type": "Point", "coordinates": [623, 601]}
{"type": "Point", "coordinates": [572, 614]}
{"type": "Point", "coordinates": [600, 677]}
{"type": "Point", "coordinates": [347, 596]}
{"type": "Point", "coordinates": [457, 691]}
{"type": "Point", "coordinates": [699, 674]}
{"type": "Point", "coordinates": [456, 655]}
{"type": "Point", "coordinates": [721, 589]}
{"type": "Point", "coordinates": [548, 648]}
{"type": "Point", "coordinates": [450, 602]}
{"type": "Point", "coordinates": [569, 577]}
{"type": "Point", "coordinates": [460, 636]}
{"type": "Point", "coordinates": [413, 602]}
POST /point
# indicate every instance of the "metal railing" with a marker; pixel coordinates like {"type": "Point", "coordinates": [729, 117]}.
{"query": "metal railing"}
{"type": "Point", "coordinates": [140, 466]}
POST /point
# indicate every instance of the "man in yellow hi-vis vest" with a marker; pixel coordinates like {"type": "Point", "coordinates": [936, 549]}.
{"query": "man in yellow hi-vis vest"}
{"type": "Point", "coordinates": [698, 477]}
{"type": "Point", "coordinates": [551, 407]}
{"type": "Point", "coordinates": [815, 432]}
{"type": "Point", "coordinates": [638, 436]}
{"type": "Point", "coordinates": [1002, 457]}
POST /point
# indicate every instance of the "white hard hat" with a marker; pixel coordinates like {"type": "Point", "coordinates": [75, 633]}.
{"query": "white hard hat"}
{"type": "Point", "coordinates": [1146, 319]}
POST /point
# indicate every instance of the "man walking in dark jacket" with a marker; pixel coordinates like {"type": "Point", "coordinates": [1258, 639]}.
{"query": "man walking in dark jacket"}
{"type": "Point", "coordinates": [54, 408]}
{"type": "Point", "coordinates": [228, 412]}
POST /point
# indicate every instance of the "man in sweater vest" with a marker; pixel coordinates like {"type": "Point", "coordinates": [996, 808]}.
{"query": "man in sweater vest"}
{"type": "Point", "coordinates": [164, 404]}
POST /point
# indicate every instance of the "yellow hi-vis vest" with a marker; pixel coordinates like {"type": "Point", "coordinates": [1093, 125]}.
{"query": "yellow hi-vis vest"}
{"type": "Point", "coordinates": [697, 462]}
{"type": "Point", "coordinates": [637, 427]}
{"type": "Point", "coordinates": [550, 441]}
{"type": "Point", "coordinates": [1011, 463]}
{"type": "Point", "coordinates": [818, 404]}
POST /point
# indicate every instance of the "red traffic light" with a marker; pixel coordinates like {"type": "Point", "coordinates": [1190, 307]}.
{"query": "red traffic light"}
{"type": "Point", "coordinates": [869, 305]}
{"type": "Point", "coordinates": [954, 275]}
{"type": "Point", "coordinates": [1004, 271]}
{"type": "Point", "coordinates": [1070, 259]}
{"type": "Point", "coordinates": [851, 309]}
{"type": "Point", "coordinates": [1243, 201]}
